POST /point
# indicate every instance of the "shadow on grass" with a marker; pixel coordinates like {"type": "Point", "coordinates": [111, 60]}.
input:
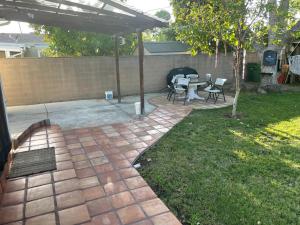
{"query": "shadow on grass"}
{"type": "Point", "coordinates": [213, 170]}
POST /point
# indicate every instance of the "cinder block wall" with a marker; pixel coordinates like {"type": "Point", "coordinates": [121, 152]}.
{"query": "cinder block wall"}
{"type": "Point", "coordinates": [41, 80]}
{"type": "Point", "coordinates": [253, 57]}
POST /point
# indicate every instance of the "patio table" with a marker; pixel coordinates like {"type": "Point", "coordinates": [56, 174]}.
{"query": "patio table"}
{"type": "Point", "coordinates": [192, 91]}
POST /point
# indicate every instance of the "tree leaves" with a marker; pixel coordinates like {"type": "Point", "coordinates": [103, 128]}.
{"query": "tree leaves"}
{"type": "Point", "coordinates": [235, 22]}
{"type": "Point", "coordinates": [75, 43]}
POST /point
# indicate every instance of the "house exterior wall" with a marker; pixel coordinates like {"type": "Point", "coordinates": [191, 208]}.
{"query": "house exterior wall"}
{"type": "Point", "coordinates": [41, 80]}
{"type": "Point", "coordinates": [25, 50]}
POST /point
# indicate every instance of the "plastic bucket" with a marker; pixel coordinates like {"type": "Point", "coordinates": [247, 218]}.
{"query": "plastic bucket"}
{"type": "Point", "coordinates": [109, 95]}
{"type": "Point", "coordinates": [137, 106]}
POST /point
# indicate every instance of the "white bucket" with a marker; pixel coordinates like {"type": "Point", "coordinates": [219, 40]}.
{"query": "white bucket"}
{"type": "Point", "coordinates": [137, 106]}
{"type": "Point", "coordinates": [109, 95]}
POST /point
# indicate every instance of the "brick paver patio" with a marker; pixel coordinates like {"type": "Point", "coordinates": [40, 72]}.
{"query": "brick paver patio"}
{"type": "Point", "coordinates": [95, 182]}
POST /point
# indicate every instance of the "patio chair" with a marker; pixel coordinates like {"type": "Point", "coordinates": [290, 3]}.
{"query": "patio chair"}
{"type": "Point", "coordinates": [215, 90]}
{"type": "Point", "coordinates": [208, 78]}
{"type": "Point", "coordinates": [207, 82]}
{"type": "Point", "coordinates": [181, 88]}
{"type": "Point", "coordinates": [172, 85]}
{"type": "Point", "coordinates": [193, 77]}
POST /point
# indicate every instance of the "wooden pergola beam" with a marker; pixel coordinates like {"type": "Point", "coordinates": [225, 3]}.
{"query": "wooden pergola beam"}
{"type": "Point", "coordinates": [117, 43]}
{"type": "Point", "coordinates": [141, 70]}
{"type": "Point", "coordinates": [87, 8]}
{"type": "Point", "coordinates": [93, 24]}
{"type": "Point", "coordinates": [121, 6]}
{"type": "Point", "coordinates": [67, 22]}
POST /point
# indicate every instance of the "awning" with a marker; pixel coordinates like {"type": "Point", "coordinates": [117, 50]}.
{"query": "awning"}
{"type": "Point", "coordinates": [101, 16]}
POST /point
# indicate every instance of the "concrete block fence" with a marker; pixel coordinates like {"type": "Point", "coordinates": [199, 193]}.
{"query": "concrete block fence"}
{"type": "Point", "coordinates": [42, 80]}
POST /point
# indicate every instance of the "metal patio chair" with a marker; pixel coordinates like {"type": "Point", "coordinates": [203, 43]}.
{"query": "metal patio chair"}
{"type": "Point", "coordinates": [215, 90]}
{"type": "Point", "coordinates": [181, 88]}
{"type": "Point", "coordinates": [193, 77]}
{"type": "Point", "coordinates": [171, 86]}
{"type": "Point", "coordinates": [205, 83]}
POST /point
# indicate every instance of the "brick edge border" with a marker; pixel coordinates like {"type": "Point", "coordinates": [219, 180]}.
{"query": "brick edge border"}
{"type": "Point", "coordinates": [16, 142]}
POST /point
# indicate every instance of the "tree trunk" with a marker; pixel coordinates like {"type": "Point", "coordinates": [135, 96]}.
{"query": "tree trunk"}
{"type": "Point", "coordinates": [283, 18]}
{"type": "Point", "coordinates": [272, 22]}
{"type": "Point", "coordinates": [237, 70]}
{"type": "Point", "coordinates": [217, 53]}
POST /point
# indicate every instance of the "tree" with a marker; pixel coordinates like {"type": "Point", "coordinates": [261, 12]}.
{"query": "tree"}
{"type": "Point", "coordinates": [63, 42]}
{"type": "Point", "coordinates": [75, 43]}
{"type": "Point", "coordinates": [205, 24]}
{"type": "Point", "coordinates": [163, 14]}
{"type": "Point", "coordinates": [162, 34]}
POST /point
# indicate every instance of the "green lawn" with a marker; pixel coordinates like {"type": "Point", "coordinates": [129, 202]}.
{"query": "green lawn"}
{"type": "Point", "coordinates": [211, 169]}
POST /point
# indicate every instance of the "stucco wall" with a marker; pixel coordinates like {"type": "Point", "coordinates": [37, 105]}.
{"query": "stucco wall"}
{"type": "Point", "coordinates": [41, 80]}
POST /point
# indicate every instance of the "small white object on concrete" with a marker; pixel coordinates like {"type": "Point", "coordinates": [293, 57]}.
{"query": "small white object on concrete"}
{"type": "Point", "coordinates": [109, 95]}
{"type": "Point", "coordinates": [137, 106]}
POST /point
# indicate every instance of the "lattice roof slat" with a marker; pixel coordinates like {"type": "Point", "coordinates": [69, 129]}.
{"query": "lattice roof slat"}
{"type": "Point", "coordinates": [102, 16]}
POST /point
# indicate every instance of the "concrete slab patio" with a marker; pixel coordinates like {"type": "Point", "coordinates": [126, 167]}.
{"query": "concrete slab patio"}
{"type": "Point", "coordinates": [76, 114]}
{"type": "Point", "coordinates": [94, 112]}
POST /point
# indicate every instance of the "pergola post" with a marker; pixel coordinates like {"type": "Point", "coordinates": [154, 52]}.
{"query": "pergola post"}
{"type": "Point", "coordinates": [117, 67]}
{"type": "Point", "coordinates": [141, 69]}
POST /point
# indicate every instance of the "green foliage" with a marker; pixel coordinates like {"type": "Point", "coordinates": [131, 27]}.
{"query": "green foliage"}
{"type": "Point", "coordinates": [245, 22]}
{"type": "Point", "coordinates": [286, 13]}
{"type": "Point", "coordinates": [201, 23]}
{"type": "Point", "coordinates": [162, 34]}
{"type": "Point", "coordinates": [241, 24]}
{"type": "Point", "coordinates": [295, 9]}
{"type": "Point", "coordinates": [163, 14]}
{"type": "Point", "coordinates": [213, 170]}
{"type": "Point", "coordinates": [63, 42]}
{"type": "Point", "coordinates": [75, 43]}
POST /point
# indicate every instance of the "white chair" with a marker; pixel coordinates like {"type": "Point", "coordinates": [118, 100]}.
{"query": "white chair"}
{"type": "Point", "coordinates": [176, 77]}
{"type": "Point", "coordinates": [181, 88]}
{"type": "Point", "coordinates": [205, 83]}
{"type": "Point", "coordinates": [193, 77]}
{"type": "Point", "coordinates": [216, 89]}
{"type": "Point", "coordinates": [171, 86]}
{"type": "Point", "coordinates": [208, 77]}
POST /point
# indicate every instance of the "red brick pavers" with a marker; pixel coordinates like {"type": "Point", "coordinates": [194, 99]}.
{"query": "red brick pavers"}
{"type": "Point", "coordinates": [95, 182]}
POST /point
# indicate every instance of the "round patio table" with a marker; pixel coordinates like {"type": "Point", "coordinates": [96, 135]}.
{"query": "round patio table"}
{"type": "Point", "coordinates": [192, 91]}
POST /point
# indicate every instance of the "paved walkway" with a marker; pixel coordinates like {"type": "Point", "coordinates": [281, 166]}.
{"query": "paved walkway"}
{"type": "Point", "coordinates": [95, 182]}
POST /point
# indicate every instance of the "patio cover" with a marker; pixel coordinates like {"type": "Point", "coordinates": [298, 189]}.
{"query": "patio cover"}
{"type": "Point", "coordinates": [102, 16]}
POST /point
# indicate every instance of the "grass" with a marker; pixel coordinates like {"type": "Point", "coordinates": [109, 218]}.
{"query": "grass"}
{"type": "Point", "coordinates": [212, 170]}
